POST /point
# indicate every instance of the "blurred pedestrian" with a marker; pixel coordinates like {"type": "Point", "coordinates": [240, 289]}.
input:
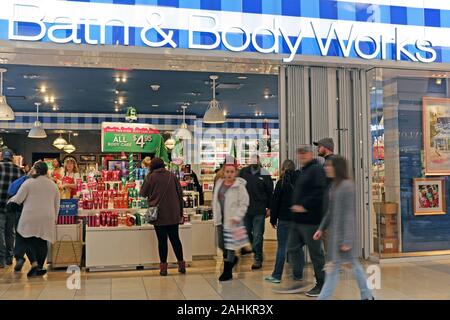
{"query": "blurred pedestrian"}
{"type": "Point", "coordinates": [230, 203]}
{"type": "Point", "coordinates": [281, 218]}
{"type": "Point", "coordinates": [307, 215]}
{"type": "Point", "coordinates": [341, 223]}
{"type": "Point", "coordinates": [260, 188]}
{"type": "Point", "coordinates": [9, 172]}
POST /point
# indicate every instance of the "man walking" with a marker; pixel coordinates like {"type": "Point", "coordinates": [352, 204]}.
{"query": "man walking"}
{"type": "Point", "coordinates": [260, 188]}
{"type": "Point", "coordinates": [9, 172]}
{"type": "Point", "coordinates": [307, 211]}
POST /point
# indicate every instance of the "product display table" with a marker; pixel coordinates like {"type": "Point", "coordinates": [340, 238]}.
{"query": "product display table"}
{"type": "Point", "coordinates": [109, 248]}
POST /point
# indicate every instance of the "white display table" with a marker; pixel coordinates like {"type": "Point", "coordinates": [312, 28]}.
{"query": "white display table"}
{"type": "Point", "coordinates": [109, 248]}
{"type": "Point", "coordinates": [203, 239]}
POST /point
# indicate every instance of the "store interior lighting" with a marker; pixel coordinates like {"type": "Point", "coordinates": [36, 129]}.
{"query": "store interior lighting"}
{"type": "Point", "coordinates": [60, 142]}
{"type": "Point", "coordinates": [6, 112]}
{"type": "Point", "coordinates": [214, 115]}
{"type": "Point", "coordinates": [37, 132]}
{"type": "Point", "coordinates": [183, 132]}
{"type": "Point", "coordinates": [69, 148]}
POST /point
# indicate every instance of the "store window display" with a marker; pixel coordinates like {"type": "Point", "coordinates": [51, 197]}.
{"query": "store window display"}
{"type": "Point", "coordinates": [410, 128]}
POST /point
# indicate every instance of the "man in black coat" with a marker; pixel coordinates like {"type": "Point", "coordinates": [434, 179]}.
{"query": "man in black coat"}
{"type": "Point", "coordinates": [260, 188]}
{"type": "Point", "coordinates": [307, 208]}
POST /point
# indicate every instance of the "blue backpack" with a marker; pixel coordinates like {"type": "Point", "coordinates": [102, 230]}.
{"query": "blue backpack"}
{"type": "Point", "coordinates": [15, 185]}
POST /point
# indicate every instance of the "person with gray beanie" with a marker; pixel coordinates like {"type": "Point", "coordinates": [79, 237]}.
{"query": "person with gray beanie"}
{"type": "Point", "coordinates": [9, 172]}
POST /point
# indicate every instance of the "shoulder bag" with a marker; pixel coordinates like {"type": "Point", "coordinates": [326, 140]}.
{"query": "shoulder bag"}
{"type": "Point", "coordinates": [151, 215]}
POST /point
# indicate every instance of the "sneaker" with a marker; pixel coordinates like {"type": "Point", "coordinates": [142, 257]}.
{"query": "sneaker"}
{"type": "Point", "coordinates": [314, 292]}
{"type": "Point", "coordinates": [256, 265]}
{"type": "Point", "coordinates": [33, 272]}
{"type": "Point", "coordinates": [19, 265]}
{"type": "Point", "coordinates": [272, 279]}
{"type": "Point", "coordinates": [41, 272]}
{"type": "Point", "coordinates": [9, 261]}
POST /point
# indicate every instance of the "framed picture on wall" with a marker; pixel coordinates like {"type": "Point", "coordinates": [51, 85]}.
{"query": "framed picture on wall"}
{"type": "Point", "coordinates": [88, 158]}
{"type": "Point", "coordinates": [429, 196]}
{"type": "Point", "coordinates": [436, 136]}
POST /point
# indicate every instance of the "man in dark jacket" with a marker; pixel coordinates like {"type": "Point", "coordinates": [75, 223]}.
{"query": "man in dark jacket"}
{"type": "Point", "coordinates": [307, 215]}
{"type": "Point", "coordinates": [9, 172]}
{"type": "Point", "coordinates": [260, 188]}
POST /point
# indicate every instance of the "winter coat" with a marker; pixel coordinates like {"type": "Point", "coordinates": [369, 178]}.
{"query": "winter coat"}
{"type": "Point", "coordinates": [236, 203]}
{"type": "Point", "coordinates": [40, 198]}
{"type": "Point", "coordinates": [309, 192]}
{"type": "Point", "coordinates": [260, 188]}
{"type": "Point", "coordinates": [171, 204]}
{"type": "Point", "coordinates": [340, 222]}
{"type": "Point", "coordinates": [282, 198]}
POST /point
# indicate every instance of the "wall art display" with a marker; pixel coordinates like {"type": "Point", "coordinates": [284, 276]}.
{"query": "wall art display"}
{"type": "Point", "coordinates": [436, 136]}
{"type": "Point", "coordinates": [429, 196]}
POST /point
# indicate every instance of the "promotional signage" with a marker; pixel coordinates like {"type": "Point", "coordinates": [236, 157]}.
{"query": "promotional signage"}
{"type": "Point", "coordinates": [130, 137]}
{"type": "Point", "coordinates": [68, 207]}
{"type": "Point", "coordinates": [155, 27]}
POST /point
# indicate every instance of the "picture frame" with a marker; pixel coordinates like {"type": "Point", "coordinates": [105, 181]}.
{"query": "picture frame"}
{"type": "Point", "coordinates": [429, 196]}
{"type": "Point", "coordinates": [436, 136]}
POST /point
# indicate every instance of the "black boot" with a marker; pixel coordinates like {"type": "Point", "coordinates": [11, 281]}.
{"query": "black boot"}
{"type": "Point", "coordinates": [235, 262]}
{"type": "Point", "coordinates": [227, 271]}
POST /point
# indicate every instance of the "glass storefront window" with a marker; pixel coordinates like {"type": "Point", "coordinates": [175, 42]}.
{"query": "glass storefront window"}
{"type": "Point", "coordinates": [410, 125]}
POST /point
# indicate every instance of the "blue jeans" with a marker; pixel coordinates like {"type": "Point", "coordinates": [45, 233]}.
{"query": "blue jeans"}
{"type": "Point", "coordinates": [282, 236]}
{"type": "Point", "coordinates": [255, 230]}
{"type": "Point", "coordinates": [332, 278]}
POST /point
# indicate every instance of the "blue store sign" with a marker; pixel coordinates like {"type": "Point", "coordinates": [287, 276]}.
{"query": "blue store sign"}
{"type": "Point", "coordinates": [68, 207]}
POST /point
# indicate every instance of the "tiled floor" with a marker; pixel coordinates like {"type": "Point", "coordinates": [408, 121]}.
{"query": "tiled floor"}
{"type": "Point", "coordinates": [418, 280]}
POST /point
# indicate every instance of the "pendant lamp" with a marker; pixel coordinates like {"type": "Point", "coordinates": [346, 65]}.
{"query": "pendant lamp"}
{"type": "Point", "coordinates": [37, 132]}
{"type": "Point", "coordinates": [170, 143]}
{"type": "Point", "coordinates": [214, 114]}
{"type": "Point", "coordinates": [60, 142]}
{"type": "Point", "coordinates": [69, 148]}
{"type": "Point", "coordinates": [183, 132]}
{"type": "Point", "coordinates": [6, 112]}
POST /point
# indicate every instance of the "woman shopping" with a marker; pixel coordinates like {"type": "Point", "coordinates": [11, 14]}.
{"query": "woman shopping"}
{"type": "Point", "coordinates": [280, 219]}
{"type": "Point", "coordinates": [340, 221]}
{"type": "Point", "coordinates": [230, 203]}
{"type": "Point", "coordinates": [40, 198]}
{"type": "Point", "coordinates": [163, 190]}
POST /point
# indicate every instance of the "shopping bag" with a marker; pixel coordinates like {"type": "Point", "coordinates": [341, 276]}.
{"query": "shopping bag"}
{"type": "Point", "coordinates": [235, 238]}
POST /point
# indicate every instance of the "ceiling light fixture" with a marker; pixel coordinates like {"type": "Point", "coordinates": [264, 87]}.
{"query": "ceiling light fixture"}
{"type": "Point", "coordinates": [183, 132]}
{"type": "Point", "coordinates": [47, 99]}
{"type": "Point", "coordinates": [60, 142]}
{"type": "Point", "coordinates": [4, 60]}
{"type": "Point", "coordinates": [43, 89]}
{"type": "Point", "coordinates": [11, 88]}
{"type": "Point", "coordinates": [75, 134]}
{"type": "Point", "coordinates": [117, 91]}
{"type": "Point", "coordinates": [121, 101]}
{"type": "Point", "coordinates": [37, 132]}
{"type": "Point", "coordinates": [117, 79]}
{"type": "Point", "coordinates": [69, 148]}
{"type": "Point", "coordinates": [242, 77]}
{"type": "Point", "coordinates": [52, 99]}
{"type": "Point", "coordinates": [124, 79]}
{"type": "Point", "coordinates": [6, 112]}
{"type": "Point", "coordinates": [155, 105]}
{"type": "Point", "coordinates": [55, 108]}
{"type": "Point", "coordinates": [116, 109]}
{"type": "Point", "coordinates": [155, 87]}
{"type": "Point", "coordinates": [213, 114]}
{"type": "Point", "coordinates": [438, 81]}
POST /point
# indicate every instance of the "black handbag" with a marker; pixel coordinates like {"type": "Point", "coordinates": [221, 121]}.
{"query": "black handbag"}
{"type": "Point", "coordinates": [151, 215]}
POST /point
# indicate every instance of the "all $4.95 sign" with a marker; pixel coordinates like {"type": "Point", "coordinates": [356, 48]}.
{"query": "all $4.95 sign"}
{"type": "Point", "coordinates": [130, 137]}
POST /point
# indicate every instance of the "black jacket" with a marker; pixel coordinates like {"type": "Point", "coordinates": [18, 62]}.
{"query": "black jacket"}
{"type": "Point", "coordinates": [282, 198]}
{"type": "Point", "coordinates": [260, 188]}
{"type": "Point", "coordinates": [309, 192]}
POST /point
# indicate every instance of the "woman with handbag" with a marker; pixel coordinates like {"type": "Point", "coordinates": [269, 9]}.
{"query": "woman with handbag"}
{"type": "Point", "coordinates": [165, 201]}
{"type": "Point", "coordinates": [230, 203]}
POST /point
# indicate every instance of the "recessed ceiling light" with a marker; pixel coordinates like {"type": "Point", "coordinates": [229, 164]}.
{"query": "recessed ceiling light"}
{"type": "Point", "coordinates": [10, 88]}
{"type": "Point", "coordinates": [120, 100]}
{"type": "Point", "coordinates": [242, 77]}
{"type": "Point", "coordinates": [438, 81]}
{"type": "Point", "coordinates": [124, 79]}
{"type": "Point", "coordinates": [117, 79]}
{"type": "Point", "coordinates": [55, 108]}
{"type": "Point", "coordinates": [4, 60]}
{"type": "Point", "coordinates": [30, 76]}
{"type": "Point", "coordinates": [47, 99]}
{"type": "Point", "coordinates": [117, 91]}
{"type": "Point", "coordinates": [116, 109]}
{"type": "Point", "coordinates": [155, 105]}
{"type": "Point", "coordinates": [43, 89]}
{"type": "Point", "coordinates": [52, 99]}
{"type": "Point", "coordinates": [155, 87]}
{"type": "Point", "coordinates": [75, 134]}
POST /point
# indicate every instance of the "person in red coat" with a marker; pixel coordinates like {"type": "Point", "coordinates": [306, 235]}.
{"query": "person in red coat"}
{"type": "Point", "coordinates": [162, 188]}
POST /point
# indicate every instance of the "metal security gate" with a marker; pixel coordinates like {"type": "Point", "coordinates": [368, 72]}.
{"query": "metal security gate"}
{"type": "Point", "coordinates": [319, 102]}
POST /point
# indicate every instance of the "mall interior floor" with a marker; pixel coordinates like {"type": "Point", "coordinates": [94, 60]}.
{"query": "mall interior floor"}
{"type": "Point", "coordinates": [411, 280]}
